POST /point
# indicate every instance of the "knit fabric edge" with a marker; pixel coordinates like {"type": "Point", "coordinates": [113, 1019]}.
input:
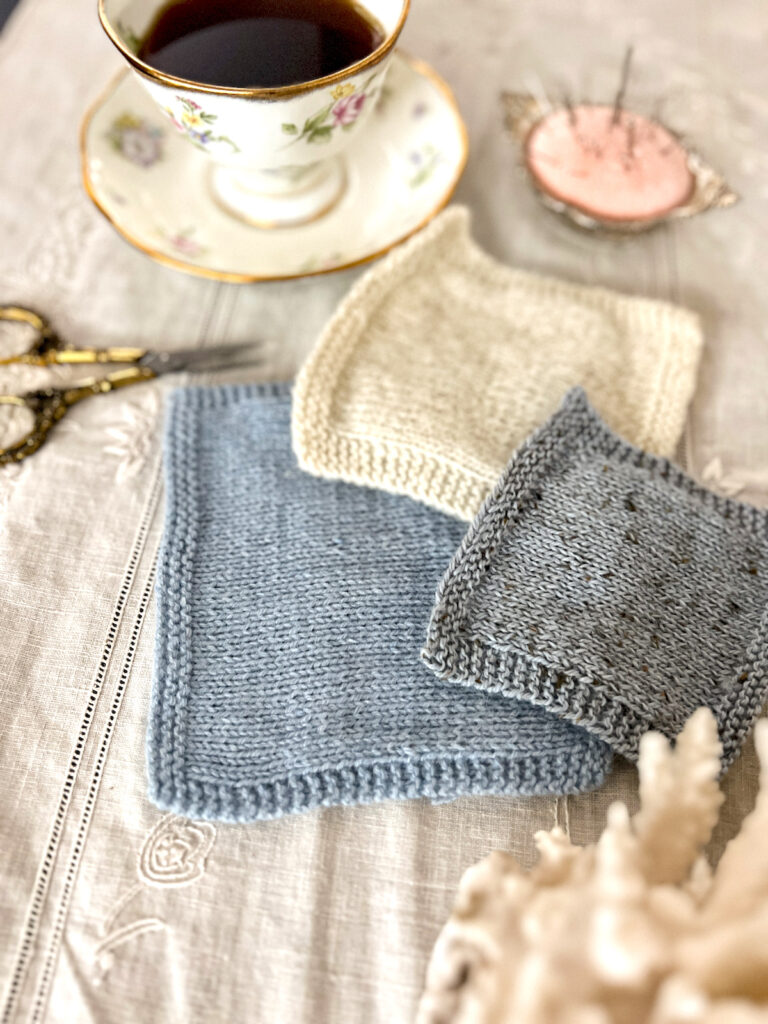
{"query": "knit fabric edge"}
{"type": "Point", "coordinates": [454, 487]}
{"type": "Point", "coordinates": [174, 785]}
{"type": "Point", "coordinates": [454, 655]}
{"type": "Point", "coordinates": [435, 778]}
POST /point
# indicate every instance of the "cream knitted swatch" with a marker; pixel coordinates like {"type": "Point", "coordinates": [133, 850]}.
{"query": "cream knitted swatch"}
{"type": "Point", "coordinates": [441, 361]}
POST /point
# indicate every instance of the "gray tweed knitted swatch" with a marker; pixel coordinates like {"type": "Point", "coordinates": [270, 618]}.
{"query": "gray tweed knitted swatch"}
{"type": "Point", "coordinates": [290, 613]}
{"type": "Point", "coordinates": [604, 584]}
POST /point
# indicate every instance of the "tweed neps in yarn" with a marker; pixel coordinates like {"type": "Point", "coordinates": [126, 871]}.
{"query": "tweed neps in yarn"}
{"type": "Point", "coordinates": [604, 584]}
{"type": "Point", "coordinates": [291, 611]}
{"type": "Point", "coordinates": [441, 361]}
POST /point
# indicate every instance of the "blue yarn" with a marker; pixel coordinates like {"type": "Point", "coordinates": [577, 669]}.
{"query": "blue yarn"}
{"type": "Point", "coordinates": [290, 614]}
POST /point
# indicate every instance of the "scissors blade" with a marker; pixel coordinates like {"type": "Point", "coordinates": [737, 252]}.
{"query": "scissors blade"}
{"type": "Point", "coordinates": [201, 360]}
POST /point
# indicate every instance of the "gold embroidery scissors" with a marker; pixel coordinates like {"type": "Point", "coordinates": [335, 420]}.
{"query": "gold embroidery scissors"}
{"type": "Point", "coordinates": [48, 405]}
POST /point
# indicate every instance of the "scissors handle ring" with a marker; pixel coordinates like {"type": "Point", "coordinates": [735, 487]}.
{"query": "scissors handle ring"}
{"type": "Point", "coordinates": [48, 405]}
{"type": "Point", "coordinates": [25, 316]}
{"type": "Point", "coordinates": [46, 344]}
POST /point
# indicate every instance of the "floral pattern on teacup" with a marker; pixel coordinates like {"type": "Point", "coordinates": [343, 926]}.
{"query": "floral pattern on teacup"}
{"type": "Point", "coordinates": [193, 122]}
{"type": "Point", "coordinates": [136, 139]}
{"type": "Point", "coordinates": [425, 161]}
{"type": "Point", "coordinates": [346, 105]}
{"type": "Point", "coordinates": [183, 242]}
{"type": "Point", "coordinates": [347, 110]}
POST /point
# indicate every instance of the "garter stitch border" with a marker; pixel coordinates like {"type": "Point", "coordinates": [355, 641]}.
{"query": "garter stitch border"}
{"type": "Point", "coordinates": [456, 481]}
{"type": "Point", "coordinates": [176, 783]}
{"type": "Point", "coordinates": [455, 649]}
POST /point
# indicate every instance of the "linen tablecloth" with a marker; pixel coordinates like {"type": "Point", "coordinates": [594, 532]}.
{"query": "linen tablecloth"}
{"type": "Point", "coordinates": [111, 911]}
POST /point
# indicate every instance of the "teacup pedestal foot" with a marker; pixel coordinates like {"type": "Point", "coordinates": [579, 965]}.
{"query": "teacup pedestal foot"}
{"type": "Point", "coordinates": [280, 198]}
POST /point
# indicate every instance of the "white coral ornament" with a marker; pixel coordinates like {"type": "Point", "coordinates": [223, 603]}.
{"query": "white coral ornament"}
{"type": "Point", "coordinates": [635, 929]}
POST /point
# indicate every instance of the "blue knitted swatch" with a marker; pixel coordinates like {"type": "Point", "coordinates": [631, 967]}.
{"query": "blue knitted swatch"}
{"type": "Point", "coordinates": [290, 614]}
{"type": "Point", "coordinates": [604, 584]}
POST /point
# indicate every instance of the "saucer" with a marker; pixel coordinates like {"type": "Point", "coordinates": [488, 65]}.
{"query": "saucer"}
{"type": "Point", "coordinates": [153, 186]}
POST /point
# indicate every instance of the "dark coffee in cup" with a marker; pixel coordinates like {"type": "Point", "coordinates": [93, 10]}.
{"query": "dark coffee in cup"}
{"type": "Point", "coordinates": [258, 44]}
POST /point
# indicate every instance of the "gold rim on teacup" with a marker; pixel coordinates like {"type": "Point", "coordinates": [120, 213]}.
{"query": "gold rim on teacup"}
{"type": "Point", "coordinates": [109, 205]}
{"type": "Point", "coordinates": [266, 141]}
{"type": "Point", "coordinates": [279, 92]}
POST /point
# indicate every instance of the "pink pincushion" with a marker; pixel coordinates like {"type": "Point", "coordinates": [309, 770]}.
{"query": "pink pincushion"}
{"type": "Point", "coordinates": [624, 170]}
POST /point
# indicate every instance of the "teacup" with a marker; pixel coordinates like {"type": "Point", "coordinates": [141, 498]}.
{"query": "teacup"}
{"type": "Point", "coordinates": [276, 154]}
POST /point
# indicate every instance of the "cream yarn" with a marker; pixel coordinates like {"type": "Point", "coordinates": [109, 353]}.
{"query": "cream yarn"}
{"type": "Point", "coordinates": [441, 361]}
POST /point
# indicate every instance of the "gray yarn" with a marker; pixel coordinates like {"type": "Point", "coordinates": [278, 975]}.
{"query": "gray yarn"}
{"type": "Point", "coordinates": [290, 612]}
{"type": "Point", "coordinates": [604, 584]}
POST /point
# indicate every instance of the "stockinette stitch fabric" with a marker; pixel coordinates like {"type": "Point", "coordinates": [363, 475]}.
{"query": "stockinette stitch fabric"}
{"type": "Point", "coordinates": [605, 585]}
{"type": "Point", "coordinates": [441, 361]}
{"type": "Point", "coordinates": [290, 614]}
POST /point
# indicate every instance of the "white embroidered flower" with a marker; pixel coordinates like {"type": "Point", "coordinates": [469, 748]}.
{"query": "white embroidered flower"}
{"type": "Point", "coordinates": [175, 851]}
{"type": "Point", "coordinates": [132, 437]}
